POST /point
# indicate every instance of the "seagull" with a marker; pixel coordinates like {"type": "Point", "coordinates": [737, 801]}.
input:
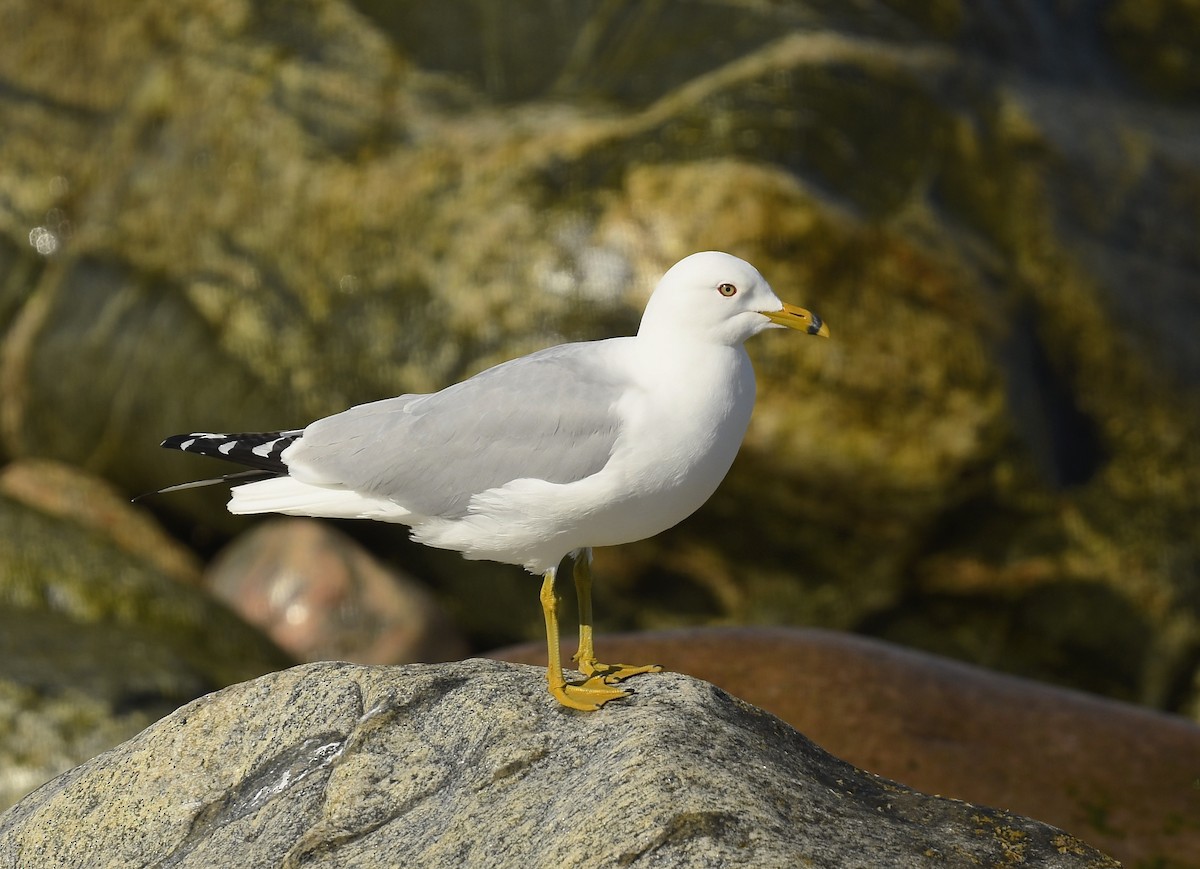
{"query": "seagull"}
{"type": "Point", "coordinates": [580, 445]}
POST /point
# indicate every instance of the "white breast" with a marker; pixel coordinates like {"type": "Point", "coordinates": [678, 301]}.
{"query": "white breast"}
{"type": "Point", "coordinates": [683, 429]}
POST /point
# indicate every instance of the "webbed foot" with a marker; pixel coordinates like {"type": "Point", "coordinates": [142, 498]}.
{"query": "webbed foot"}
{"type": "Point", "coordinates": [611, 674]}
{"type": "Point", "coordinates": [587, 695]}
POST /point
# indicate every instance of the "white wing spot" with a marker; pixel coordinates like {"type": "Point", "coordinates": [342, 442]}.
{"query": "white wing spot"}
{"type": "Point", "coordinates": [264, 450]}
{"type": "Point", "coordinates": [187, 445]}
{"type": "Point", "coordinates": [226, 448]}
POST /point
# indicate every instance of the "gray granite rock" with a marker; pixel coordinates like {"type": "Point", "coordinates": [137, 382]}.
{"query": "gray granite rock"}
{"type": "Point", "coordinates": [472, 764]}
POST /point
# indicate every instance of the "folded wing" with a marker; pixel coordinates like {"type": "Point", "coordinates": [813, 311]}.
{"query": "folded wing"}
{"type": "Point", "coordinates": [550, 416]}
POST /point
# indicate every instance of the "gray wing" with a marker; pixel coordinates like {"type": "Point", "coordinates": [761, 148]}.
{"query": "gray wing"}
{"type": "Point", "coordinates": [550, 416]}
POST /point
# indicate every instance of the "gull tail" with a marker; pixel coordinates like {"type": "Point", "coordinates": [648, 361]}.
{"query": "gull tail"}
{"type": "Point", "coordinates": [260, 451]}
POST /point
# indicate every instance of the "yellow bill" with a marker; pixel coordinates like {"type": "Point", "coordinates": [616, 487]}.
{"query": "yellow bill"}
{"type": "Point", "coordinates": [793, 317]}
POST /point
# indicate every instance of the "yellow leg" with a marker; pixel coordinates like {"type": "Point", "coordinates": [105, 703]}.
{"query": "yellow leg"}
{"type": "Point", "coordinates": [587, 695]}
{"type": "Point", "coordinates": [586, 656]}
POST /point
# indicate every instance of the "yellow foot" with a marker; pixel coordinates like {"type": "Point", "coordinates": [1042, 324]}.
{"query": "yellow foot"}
{"type": "Point", "coordinates": [587, 695]}
{"type": "Point", "coordinates": [611, 674]}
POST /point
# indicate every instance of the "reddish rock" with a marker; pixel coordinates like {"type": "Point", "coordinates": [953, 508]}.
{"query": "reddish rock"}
{"type": "Point", "coordinates": [322, 597]}
{"type": "Point", "coordinates": [1122, 778]}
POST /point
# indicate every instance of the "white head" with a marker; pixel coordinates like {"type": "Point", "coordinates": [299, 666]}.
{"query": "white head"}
{"type": "Point", "coordinates": [718, 298]}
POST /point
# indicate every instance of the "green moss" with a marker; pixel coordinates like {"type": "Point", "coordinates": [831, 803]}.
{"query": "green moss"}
{"type": "Point", "coordinates": [53, 566]}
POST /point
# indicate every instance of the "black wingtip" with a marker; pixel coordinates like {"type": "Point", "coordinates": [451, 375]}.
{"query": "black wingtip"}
{"type": "Point", "coordinates": [177, 441]}
{"type": "Point", "coordinates": [261, 450]}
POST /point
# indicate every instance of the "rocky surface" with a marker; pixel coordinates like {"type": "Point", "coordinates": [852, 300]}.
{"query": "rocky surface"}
{"type": "Point", "coordinates": [100, 633]}
{"type": "Point", "coordinates": [322, 597]}
{"type": "Point", "coordinates": [1123, 778]}
{"type": "Point", "coordinates": [230, 215]}
{"type": "Point", "coordinates": [472, 764]}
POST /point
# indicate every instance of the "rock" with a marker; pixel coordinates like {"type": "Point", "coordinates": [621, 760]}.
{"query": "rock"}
{"type": "Point", "coordinates": [98, 639]}
{"type": "Point", "coordinates": [1122, 778]}
{"type": "Point", "coordinates": [49, 564]}
{"type": "Point", "coordinates": [995, 206]}
{"type": "Point", "coordinates": [69, 691]}
{"type": "Point", "coordinates": [62, 491]}
{"type": "Point", "coordinates": [322, 597]}
{"type": "Point", "coordinates": [472, 764]}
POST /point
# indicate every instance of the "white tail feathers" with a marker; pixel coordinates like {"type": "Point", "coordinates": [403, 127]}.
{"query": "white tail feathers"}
{"type": "Point", "coordinates": [296, 498]}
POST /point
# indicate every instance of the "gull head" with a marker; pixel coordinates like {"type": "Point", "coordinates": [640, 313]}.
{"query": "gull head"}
{"type": "Point", "coordinates": [718, 298]}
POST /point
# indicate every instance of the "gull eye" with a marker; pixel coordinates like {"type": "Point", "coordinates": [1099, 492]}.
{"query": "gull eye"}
{"type": "Point", "coordinates": [726, 290]}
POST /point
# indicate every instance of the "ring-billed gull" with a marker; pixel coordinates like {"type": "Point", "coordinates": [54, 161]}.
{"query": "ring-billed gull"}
{"type": "Point", "coordinates": [572, 447]}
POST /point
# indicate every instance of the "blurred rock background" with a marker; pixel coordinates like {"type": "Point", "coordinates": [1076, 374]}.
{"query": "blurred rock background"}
{"type": "Point", "coordinates": [234, 215]}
